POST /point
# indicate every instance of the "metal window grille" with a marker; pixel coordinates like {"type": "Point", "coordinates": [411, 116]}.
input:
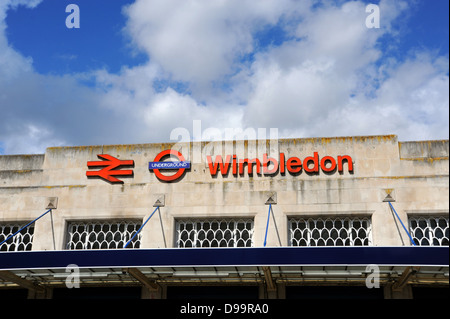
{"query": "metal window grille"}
{"type": "Point", "coordinates": [20, 242]}
{"type": "Point", "coordinates": [214, 233]}
{"type": "Point", "coordinates": [346, 231]}
{"type": "Point", "coordinates": [103, 234]}
{"type": "Point", "coordinates": [430, 230]}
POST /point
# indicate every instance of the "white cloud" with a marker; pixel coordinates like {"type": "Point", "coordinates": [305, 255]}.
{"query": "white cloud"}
{"type": "Point", "coordinates": [328, 77]}
{"type": "Point", "coordinates": [200, 41]}
{"type": "Point", "coordinates": [170, 110]}
{"type": "Point", "coordinates": [415, 98]}
{"type": "Point", "coordinates": [38, 111]}
{"type": "Point", "coordinates": [299, 83]}
{"type": "Point", "coordinates": [30, 139]}
{"type": "Point", "coordinates": [333, 81]}
{"type": "Point", "coordinates": [11, 62]}
{"type": "Point", "coordinates": [412, 103]}
{"type": "Point", "coordinates": [150, 115]}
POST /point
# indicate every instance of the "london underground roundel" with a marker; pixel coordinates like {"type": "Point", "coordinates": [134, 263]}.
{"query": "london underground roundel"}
{"type": "Point", "coordinates": [159, 165]}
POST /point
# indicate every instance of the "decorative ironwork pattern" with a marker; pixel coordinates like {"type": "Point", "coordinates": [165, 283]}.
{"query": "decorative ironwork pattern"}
{"type": "Point", "coordinates": [214, 233]}
{"type": "Point", "coordinates": [430, 230]}
{"type": "Point", "coordinates": [103, 234]}
{"type": "Point", "coordinates": [346, 231]}
{"type": "Point", "coordinates": [21, 241]}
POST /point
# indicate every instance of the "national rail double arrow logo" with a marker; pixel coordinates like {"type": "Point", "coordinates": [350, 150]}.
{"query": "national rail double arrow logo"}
{"type": "Point", "coordinates": [111, 167]}
{"type": "Point", "coordinates": [108, 172]}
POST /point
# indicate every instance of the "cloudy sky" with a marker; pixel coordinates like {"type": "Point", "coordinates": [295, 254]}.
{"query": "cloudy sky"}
{"type": "Point", "coordinates": [137, 69]}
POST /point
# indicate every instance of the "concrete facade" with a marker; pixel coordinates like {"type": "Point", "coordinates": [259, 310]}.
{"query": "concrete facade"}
{"type": "Point", "coordinates": [414, 174]}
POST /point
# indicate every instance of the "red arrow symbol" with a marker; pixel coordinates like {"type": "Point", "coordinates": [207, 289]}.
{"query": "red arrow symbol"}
{"type": "Point", "coordinates": [108, 172]}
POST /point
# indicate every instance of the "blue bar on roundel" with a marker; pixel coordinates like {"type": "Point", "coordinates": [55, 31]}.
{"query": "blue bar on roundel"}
{"type": "Point", "coordinates": [169, 165]}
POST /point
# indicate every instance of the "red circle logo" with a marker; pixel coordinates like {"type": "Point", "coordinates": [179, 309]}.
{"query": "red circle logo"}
{"type": "Point", "coordinates": [159, 165]}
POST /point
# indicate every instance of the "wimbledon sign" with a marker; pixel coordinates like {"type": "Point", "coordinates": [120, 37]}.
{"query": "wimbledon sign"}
{"type": "Point", "coordinates": [268, 166]}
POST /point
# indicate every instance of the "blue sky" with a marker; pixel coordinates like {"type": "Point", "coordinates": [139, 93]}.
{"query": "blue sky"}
{"type": "Point", "coordinates": [98, 43]}
{"type": "Point", "coordinates": [137, 69]}
{"type": "Point", "coordinates": [101, 42]}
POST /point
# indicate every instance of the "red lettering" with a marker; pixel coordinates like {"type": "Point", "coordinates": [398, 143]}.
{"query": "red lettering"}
{"type": "Point", "coordinates": [219, 165]}
{"type": "Point", "coordinates": [324, 161]}
{"type": "Point", "coordinates": [266, 163]}
{"type": "Point", "coordinates": [294, 165]}
{"type": "Point", "coordinates": [235, 165]}
{"type": "Point", "coordinates": [282, 163]}
{"type": "Point", "coordinates": [315, 160]}
{"type": "Point", "coordinates": [349, 161]}
{"type": "Point", "coordinates": [250, 163]}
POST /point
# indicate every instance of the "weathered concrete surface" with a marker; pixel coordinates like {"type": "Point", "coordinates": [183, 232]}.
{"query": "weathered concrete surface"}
{"type": "Point", "coordinates": [416, 172]}
{"type": "Point", "coordinates": [21, 162]}
{"type": "Point", "coordinates": [424, 149]}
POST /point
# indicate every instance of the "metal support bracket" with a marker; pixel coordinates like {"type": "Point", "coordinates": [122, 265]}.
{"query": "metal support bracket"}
{"type": "Point", "coordinates": [404, 278]}
{"type": "Point", "coordinates": [9, 276]}
{"type": "Point", "coordinates": [143, 279]}
{"type": "Point", "coordinates": [271, 286]}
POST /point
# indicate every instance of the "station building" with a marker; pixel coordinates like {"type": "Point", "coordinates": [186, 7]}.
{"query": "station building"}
{"type": "Point", "coordinates": [340, 217]}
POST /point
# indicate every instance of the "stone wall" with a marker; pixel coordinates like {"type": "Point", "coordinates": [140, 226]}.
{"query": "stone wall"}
{"type": "Point", "coordinates": [414, 174]}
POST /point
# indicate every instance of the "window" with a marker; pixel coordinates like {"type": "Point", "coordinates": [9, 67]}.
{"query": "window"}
{"type": "Point", "coordinates": [429, 230]}
{"type": "Point", "coordinates": [21, 241]}
{"type": "Point", "coordinates": [334, 231]}
{"type": "Point", "coordinates": [103, 234]}
{"type": "Point", "coordinates": [214, 233]}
